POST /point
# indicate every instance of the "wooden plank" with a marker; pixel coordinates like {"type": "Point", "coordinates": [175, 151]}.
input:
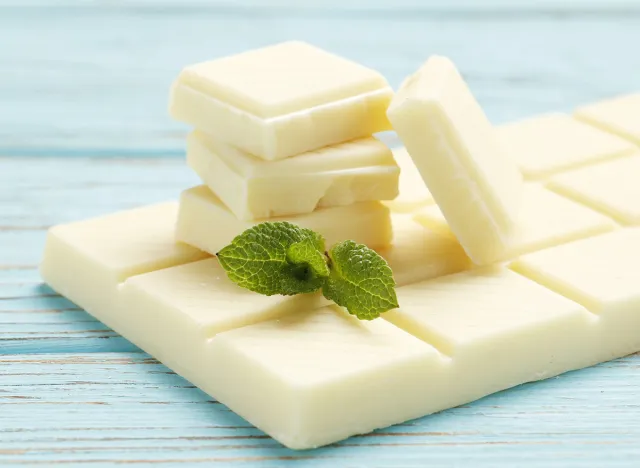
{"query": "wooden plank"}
{"type": "Point", "coordinates": [459, 6]}
{"type": "Point", "coordinates": [88, 409]}
{"type": "Point", "coordinates": [97, 100]}
{"type": "Point", "coordinates": [63, 190]}
{"type": "Point", "coordinates": [35, 319]}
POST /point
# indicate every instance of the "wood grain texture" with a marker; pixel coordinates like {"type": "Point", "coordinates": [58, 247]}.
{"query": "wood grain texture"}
{"type": "Point", "coordinates": [90, 78]}
{"type": "Point", "coordinates": [96, 409]}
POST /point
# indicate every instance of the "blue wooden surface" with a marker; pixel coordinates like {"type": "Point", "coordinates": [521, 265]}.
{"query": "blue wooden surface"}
{"type": "Point", "coordinates": [86, 79]}
{"type": "Point", "coordinates": [92, 77]}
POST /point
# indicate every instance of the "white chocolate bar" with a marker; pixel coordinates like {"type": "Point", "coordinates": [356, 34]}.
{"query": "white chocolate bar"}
{"type": "Point", "coordinates": [310, 378]}
{"type": "Point", "coordinates": [547, 144]}
{"type": "Point", "coordinates": [413, 193]}
{"type": "Point", "coordinates": [620, 115]}
{"type": "Point", "coordinates": [611, 187]}
{"type": "Point", "coordinates": [309, 374]}
{"type": "Point", "coordinates": [204, 222]}
{"type": "Point", "coordinates": [546, 219]}
{"type": "Point", "coordinates": [282, 100]}
{"type": "Point", "coordinates": [360, 170]}
{"type": "Point", "coordinates": [457, 152]}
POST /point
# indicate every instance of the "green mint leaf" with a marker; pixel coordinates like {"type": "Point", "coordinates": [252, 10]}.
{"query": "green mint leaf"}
{"type": "Point", "coordinates": [275, 258]}
{"type": "Point", "coordinates": [360, 280]}
{"type": "Point", "coordinates": [310, 252]}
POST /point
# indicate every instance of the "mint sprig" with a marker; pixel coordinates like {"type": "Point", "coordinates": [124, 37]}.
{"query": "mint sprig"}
{"type": "Point", "coordinates": [282, 258]}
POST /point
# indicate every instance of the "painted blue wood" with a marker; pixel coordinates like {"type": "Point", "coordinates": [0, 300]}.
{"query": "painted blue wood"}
{"type": "Point", "coordinates": [86, 409]}
{"type": "Point", "coordinates": [90, 79]}
{"type": "Point", "coordinates": [80, 78]}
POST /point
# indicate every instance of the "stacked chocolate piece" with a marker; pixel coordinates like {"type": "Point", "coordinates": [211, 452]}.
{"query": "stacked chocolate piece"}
{"type": "Point", "coordinates": [285, 133]}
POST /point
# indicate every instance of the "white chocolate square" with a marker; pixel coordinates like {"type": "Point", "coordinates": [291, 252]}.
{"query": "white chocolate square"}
{"type": "Point", "coordinates": [359, 170]}
{"type": "Point", "coordinates": [601, 273]}
{"type": "Point", "coordinates": [620, 115]}
{"type": "Point", "coordinates": [499, 328]}
{"type": "Point", "coordinates": [551, 143]}
{"type": "Point", "coordinates": [86, 260]}
{"type": "Point", "coordinates": [413, 192]}
{"type": "Point", "coordinates": [456, 150]}
{"type": "Point", "coordinates": [417, 253]}
{"type": "Point", "coordinates": [282, 100]}
{"type": "Point", "coordinates": [461, 312]}
{"type": "Point", "coordinates": [204, 222]}
{"type": "Point", "coordinates": [612, 187]}
{"type": "Point", "coordinates": [312, 378]}
{"type": "Point", "coordinates": [281, 78]}
{"type": "Point", "coordinates": [547, 219]}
